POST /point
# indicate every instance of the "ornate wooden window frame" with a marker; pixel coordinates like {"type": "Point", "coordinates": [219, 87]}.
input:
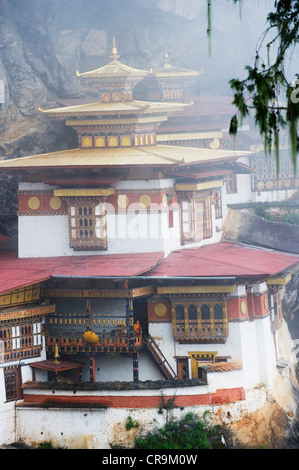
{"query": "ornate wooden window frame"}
{"type": "Point", "coordinates": [231, 184]}
{"type": "Point", "coordinates": [196, 217]}
{"type": "Point", "coordinates": [199, 329]}
{"type": "Point", "coordinates": [12, 379]}
{"type": "Point", "coordinates": [21, 339]}
{"type": "Point", "coordinates": [218, 203]}
{"type": "Point", "coordinates": [87, 224]}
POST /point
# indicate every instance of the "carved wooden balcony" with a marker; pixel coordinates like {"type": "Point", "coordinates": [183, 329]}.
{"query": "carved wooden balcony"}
{"type": "Point", "coordinates": [206, 331]}
{"type": "Point", "coordinates": [108, 343]}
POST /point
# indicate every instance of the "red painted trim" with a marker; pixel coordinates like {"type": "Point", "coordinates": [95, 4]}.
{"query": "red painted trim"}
{"type": "Point", "coordinates": [220, 397]}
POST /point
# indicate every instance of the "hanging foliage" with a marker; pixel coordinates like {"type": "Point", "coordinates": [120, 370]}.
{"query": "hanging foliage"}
{"type": "Point", "coordinates": [267, 91]}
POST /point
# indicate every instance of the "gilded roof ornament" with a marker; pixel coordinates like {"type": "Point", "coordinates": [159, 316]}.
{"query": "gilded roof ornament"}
{"type": "Point", "coordinates": [166, 57]}
{"type": "Point", "coordinates": [114, 54]}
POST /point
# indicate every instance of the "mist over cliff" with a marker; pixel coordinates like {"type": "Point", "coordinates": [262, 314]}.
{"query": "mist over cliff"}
{"type": "Point", "coordinates": [44, 42]}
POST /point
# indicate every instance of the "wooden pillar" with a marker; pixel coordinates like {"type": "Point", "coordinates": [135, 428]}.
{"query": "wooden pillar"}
{"type": "Point", "coordinates": [130, 324]}
{"type": "Point", "coordinates": [135, 367]}
{"type": "Point", "coordinates": [92, 369]}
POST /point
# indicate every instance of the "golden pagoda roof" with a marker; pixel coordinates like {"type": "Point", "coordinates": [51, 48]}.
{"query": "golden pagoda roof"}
{"type": "Point", "coordinates": [156, 155]}
{"type": "Point", "coordinates": [118, 107]}
{"type": "Point", "coordinates": [114, 68]}
{"type": "Point", "coordinates": [169, 70]}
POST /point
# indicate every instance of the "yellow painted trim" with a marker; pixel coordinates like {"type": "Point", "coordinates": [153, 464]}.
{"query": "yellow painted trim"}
{"type": "Point", "coordinates": [99, 293]}
{"type": "Point", "coordinates": [84, 192]}
{"type": "Point", "coordinates": [27, 312]}
{"type": "Point", "coordinates": [281, 281]}
{"type": "Point", "coordinates": [199, 186]}
{"type": "Point", "coordinates": [188, 136]}
{"type": "Point", "coordinates": [109, 122]}
{"type": "Point", "coordinates": [200, 354]}
{"type": "Point", "coordinates": [195, 289]}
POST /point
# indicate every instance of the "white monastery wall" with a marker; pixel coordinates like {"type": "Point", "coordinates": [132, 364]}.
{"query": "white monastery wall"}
{"type": "Point", "coordinates": [7, 408]}
{"type": "Point", "coordinates": [94, 428]}
{"type": "Point", "coordinates": [7, 413]}
{"type": "Point", "coordinates": [249, 343]}
{"type": "Point", "coordinates": [48, 236]}
{"type": "Point", "coordinates": [266, 351]}
{"type": "Point", "coordinates": [272, 196]}
{"type": "Point", "coordinates": [144, 184]}
{"type": "Point", "coordinates": [244, 194]}
{"type": "Point", "coordinates": [113, 368]}
{"type": "Point", "coordinates": [43, 236]}
{"type": "Point", "coordinates": [128, 232]}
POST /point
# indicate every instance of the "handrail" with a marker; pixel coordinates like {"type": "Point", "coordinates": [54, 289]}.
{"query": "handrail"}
{"type": "Point", "coordinates": [106, 340]}
{"type": "Point", "coordinates": [161, 358]}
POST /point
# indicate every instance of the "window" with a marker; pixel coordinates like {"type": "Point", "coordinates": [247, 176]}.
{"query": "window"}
{"type": "Point", "coordinates": [199, 321]}
{"type": "Point", "coordinates": [87, 225]}
{"type": "Point", "coordinates": [15, 337]}
{"type": "Point", "coordinates": [37, 338]}
{"type": "Point", "coordinates": [275, 309]}
{"type": "Point", "coordinates": [196, 219]}
{"type": "Point", "coordinates": [170, 211]}
{"type": "Point", "coordinates": [191, 220]}
{"type": "Point", "coordinates": [12, 378]}
{"type": "Point", "coordinates": [207, 218]}
{"type": "Point", "coordinates": [231, 184]}
{"type": "Point", "coordinates": [218, 204]}
{"type": "Point", "coordinates": [20, 341]}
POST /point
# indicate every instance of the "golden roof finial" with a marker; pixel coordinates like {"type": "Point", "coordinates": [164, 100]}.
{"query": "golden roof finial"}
{"type": "Point", "coordinates": [114, 55]}
{"type": "Point", "coordinates": [166, 57]}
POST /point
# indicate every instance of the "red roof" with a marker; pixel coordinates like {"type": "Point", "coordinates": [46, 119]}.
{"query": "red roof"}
{"type": "Point", "coordinates": [18, 272]}
{"type": "Point", "coordinates": [217, 260]}
{"type": "Point", "coordinates": [224, 260]}
{"type": "Point", "coordinates": [213, 105]}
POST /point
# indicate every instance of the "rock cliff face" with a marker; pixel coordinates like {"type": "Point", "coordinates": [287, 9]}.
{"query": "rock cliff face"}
{"type": "Point", "coordinates": [254, 230]}
{"type": "Point", "coordinates": [44, 42]}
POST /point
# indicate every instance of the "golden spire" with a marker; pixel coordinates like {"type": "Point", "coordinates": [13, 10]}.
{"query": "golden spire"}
{"type": "Point", "coordinates": [166, 57]}
{"type": "Point", "coordinates": [114, 55]}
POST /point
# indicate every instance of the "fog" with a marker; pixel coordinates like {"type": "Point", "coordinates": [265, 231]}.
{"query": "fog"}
{"type": "Point", "coordinates": [54, 38]}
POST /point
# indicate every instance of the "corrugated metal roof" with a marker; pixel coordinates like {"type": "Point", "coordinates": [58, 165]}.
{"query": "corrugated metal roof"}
{"type": "Point", "coordinates": [158, 155]}
{"type": "Point", "coordinates": [19, 272]}
{"type": "Point", "coordinates": [224, 260]}
{"type": "Point", "coordinates": [217, 260]}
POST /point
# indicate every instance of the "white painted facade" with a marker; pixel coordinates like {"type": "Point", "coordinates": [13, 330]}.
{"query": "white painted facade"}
{"type": "Point", "coordinates": [8, 413]}
{"type": "Point", "coordinates": [127, 232]}
{"type": "Point", "coordinates": [249, 342]}
{"type": "Point", "coordinates": [131, 231]}
{"type": "Point", "coordinates": [94, 428]}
